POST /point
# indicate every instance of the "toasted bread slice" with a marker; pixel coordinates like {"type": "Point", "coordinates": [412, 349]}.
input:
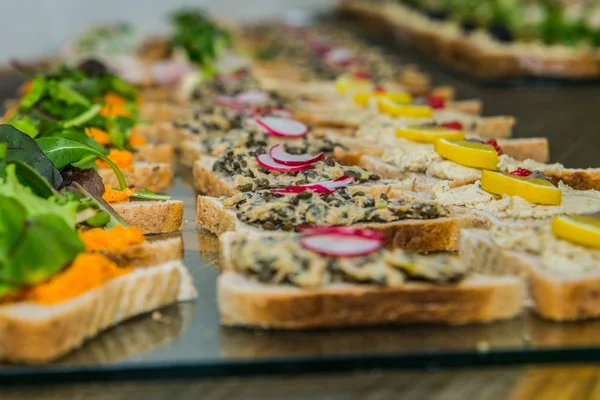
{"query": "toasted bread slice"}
{"type": "Point", "coordinates": [150, 252]}
{"type": "Point", "coordinates": [155, 176]}
{"type": "Point", "coordinates": [36, 333]}
{"type": "Point", "coordinates": [152, 216]}
{"type": "Point", "coordinates": [417, 234]}
{"type": "Point", "coordinates": [155, 153]}
{"type": "Point", "coordinates": [245, 302]}
{"type": "Point", "coordinates": [565, 296]}
{"type": "Point", "coordinates": [161, 111]}
{"type": "Point", "coordinates": [159, 132]}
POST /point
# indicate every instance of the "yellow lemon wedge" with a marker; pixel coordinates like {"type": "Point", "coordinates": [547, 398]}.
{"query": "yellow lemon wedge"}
{"type": "Point", "coordinates": [398, 109]}
{"type": "Point", "coordinates": [537, 191]}
{"type": "Point", "coordinates": [583, 230]}
{"type": "Point", "coordinates": [364, 98]}
{"type": "Point", "coordinates": [428, 134]}
{"type": "Point", "coordinates": [469, 154]}
{"type": "Point", "coordinates": [346, 84]}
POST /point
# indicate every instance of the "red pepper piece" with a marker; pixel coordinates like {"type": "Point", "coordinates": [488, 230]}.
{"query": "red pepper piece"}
{"type": "Point", "coordinates": [455, 125]}
{"type": "Point", "coordinates": [495, 145]}
{"type": "Point", "coordinates": [436, 102]}
{"type": "Point", "coordinates": [521, 172]}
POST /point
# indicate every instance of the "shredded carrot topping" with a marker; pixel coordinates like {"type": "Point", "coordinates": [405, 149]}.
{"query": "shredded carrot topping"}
{"type": "Point", "coordinates": [136, 140]}
{"type": "Point", "coordinates": [122, 158]}
{"type": "Point", "coordinates": [86, 272]}
{"type": "Point", "coordinates": [113, 196]}
{"type": "Point", "coordinates": [98, 135]}
{"type": "Point", "coordinates": [114, 106]}
{"type": "Point", "coordinates": [10, 112]}
{"type": "Point", "coordinates": [117, 238]}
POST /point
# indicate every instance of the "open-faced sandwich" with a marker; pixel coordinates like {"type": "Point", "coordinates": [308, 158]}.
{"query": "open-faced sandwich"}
{"type": "Point", "coordinates": [336, 277]}
{"type": "Point", "coordinates": [69, 267]}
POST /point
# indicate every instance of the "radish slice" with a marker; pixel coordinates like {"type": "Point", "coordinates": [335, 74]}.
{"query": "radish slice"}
{"type": "Point", "coordinates": [265, 161]}
{"type": "Point", "coordinates": [281, 156]}
{"type": "Point", "coordinates": [318, 187]}
{"type": "Point", "coordinates": [339, 56]}
{"type": "Point", "coordinates": [282, 126]}
{"type": "Point", "coordinates": [340, 244]}
{"type": "Point", "coordinates": [252, 97]}
{"type": "Point", "coordinates": [171, 72]}
{"type": "Point", "coordinates": [230, 102]}
{"type": "Point", "coordinates": [341, 230]}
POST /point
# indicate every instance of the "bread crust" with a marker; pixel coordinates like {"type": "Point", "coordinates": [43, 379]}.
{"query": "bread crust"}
{"type": "Point", "coordinates": [155, 176]}
{"type": "Point", "coordinates": [34, 333]}
{"type": "Point", "coordinates": [155, 153]}
{"type": "Point", "coordinates": [152, 216]}
{"type": "Point", "coordinates": [246, 303]}
{"type": "Point", "coordinates": [439, 234]}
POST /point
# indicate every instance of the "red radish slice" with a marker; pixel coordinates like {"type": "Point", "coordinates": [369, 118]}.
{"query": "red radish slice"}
{"type": "Point", "coordinates": [282, 126]}
{"type": "Point", "coordinates": [171, 72]}
{"type": "Point", "coordinates": [265, 161]}
{"type": "Point", "coordinates": [341, 245]}
{"type": "Point", "coordinates": [278, 154]}
{"type": "Point", "coordinates": [230, 102]}
{"type": "Point", "coordinates": [341, 230]}
{"type": "Point", "coordinates": [339, 56]}
{"type": "Point", "coordinates": [318, 187]}
{"type": "Point", "coordinates": [252, 97]}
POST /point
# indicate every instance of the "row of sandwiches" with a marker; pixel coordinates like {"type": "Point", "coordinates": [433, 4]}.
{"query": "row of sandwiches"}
{"type": "Point", "coordinates": [344, 190]}
{"type": "Point", "coordinates": [494, 38]}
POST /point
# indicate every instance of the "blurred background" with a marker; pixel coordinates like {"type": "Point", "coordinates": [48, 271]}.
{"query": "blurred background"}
{"type": "Point", "coordinates": [37, 28]}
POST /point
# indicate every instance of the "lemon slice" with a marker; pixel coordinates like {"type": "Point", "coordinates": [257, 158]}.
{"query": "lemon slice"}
{"type": "Point", "coordinates": [583, 230]}
{"type": "Point", "coordinates": [363, 98]}
{"type": "Point", "coordinates": [537, 191]}
{"type": "Point", "coordinates": [345, 84]}
{"type": "Point", "coordinates": [397, 109]}
{"type": "Point", "coordinates": [426, 134]}
{"type": "Point", "coordinates": [469, 154]}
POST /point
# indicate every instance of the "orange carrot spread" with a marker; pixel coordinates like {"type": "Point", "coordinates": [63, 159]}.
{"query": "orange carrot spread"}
{"type": "Point", "coordinates": [114, 106]}
{"type": "Point", "coordinates": [25, 87]}
{"type": "Point", "coordinates": [88, 271]}
{"type": "Point", "coordinates": [136, 140]}
{"type": "Point", "coordinates": [122, 158]}
{"type": "Point", "coordinates": [113, 196]}
{"type": "Point", "coordinates": [98, 135]}
{"type": "Point", "coordinates": [117, 238]}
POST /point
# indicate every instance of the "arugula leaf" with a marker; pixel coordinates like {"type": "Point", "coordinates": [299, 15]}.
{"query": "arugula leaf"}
{"type": "Point", "coordinates": [11, 187]}
{"type": "Point", "coordinates": [38, 89]}
{"type": "Point", "coordinates": [23, 148]}
{"type": "Point", "coordinates": [13, 219]}
{"type": "Point", "coordinates": [65, 152]}
{"type": "Point", "coordinates": [32, 179]}
{"type": "Point", "coordinates": [61, 91]}
{"type": "Point", "coordinates": [77, 135]}
{"type": "Point", "coordinates": [119, 129]}
{"type": "Point", "coordinates": [146, 194]}
{"type": "Point", "coordinates": [83, 117]}
{"type": "Point", "coordinates": [3, 149]}
{"type": "Point", "coordinates": [121, 87]}
{"type": "Point", "coordinates": [26, 125]}
{"type": "Point", "coordinates": [115, 219]}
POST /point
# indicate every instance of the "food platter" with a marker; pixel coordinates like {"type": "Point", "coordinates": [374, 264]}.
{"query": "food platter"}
{"type": "Point", "coordinates": [186, 340]}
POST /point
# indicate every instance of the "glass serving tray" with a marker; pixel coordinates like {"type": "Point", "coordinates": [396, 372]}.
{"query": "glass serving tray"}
{"type": "Point", "coordinates": [186, 340]}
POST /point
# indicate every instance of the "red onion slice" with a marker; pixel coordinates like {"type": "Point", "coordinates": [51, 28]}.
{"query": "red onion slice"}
{"type": "Point", "coordinates": [278, 154]}
{"type": "Point", "coordinates": [341, 230]}
{"type": "Point", "coordinates": [282, 126]}
{"type": "Point", "coordinates": [265, 161]}
{"type": "Point", "coordinates": [252, 97]}
{"type": "Point", "coordinates": [341, 245]}
{"type": "Point", "coordinates": [318, 187]}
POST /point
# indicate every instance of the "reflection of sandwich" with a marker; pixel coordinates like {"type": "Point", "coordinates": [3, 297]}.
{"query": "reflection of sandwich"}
{"type": "Point", "coordinates": [134, 337]}
{"type": "Point", "coordinates": [334, 277]}
{"type": "Point", "coordinates": [560, 261]}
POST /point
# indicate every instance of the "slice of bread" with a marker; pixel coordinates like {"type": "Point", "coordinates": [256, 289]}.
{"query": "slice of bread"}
{"type": "Point", "coordinates": [245, 302]}
{"type": "Point", "coordinates": [152, 216]}
{"type": "Point", "coordinates": [159, 132]}
{"type": "Point", "coordinates": [439, 234]}
{"type": "Point", "coordinates": [565, 296]}
{"type": "Point", "coordinates": [36, 333]}
{"type": "Point", "coordinates": [155, 176]}
{"type": "Point", "coordinates": [155, 153]}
